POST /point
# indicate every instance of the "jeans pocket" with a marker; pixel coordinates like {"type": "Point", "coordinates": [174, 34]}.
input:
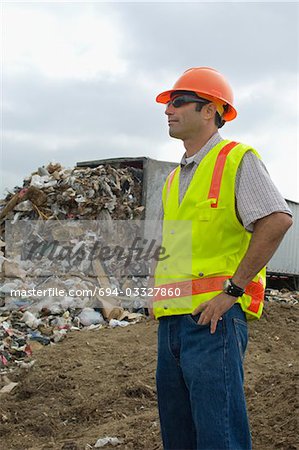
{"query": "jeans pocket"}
{"type": "Point", "coordinates": [241, 333]}
{"type": "Point", "coordinates": [194, 320]}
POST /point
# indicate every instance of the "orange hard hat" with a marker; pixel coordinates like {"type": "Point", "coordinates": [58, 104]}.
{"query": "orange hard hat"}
{"type": "Point", "coordinates": [207, 83]}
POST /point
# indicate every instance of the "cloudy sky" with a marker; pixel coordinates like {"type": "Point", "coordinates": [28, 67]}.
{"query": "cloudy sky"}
{"type": "Point", "coordinates": [80, 80]}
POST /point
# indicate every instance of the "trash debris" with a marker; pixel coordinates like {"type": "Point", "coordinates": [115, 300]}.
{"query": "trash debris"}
{"type": "Point", "coordinates": [23, 332]}
{"type": "Point", "coordinates": [88, 316]}
{"type": "Point", "coordinates": [54, 192]}
{"type": "Point", "coordinates": [30, 320]}
{"type": "Point", "coordinates": [3, 360]}
{"type": "Point", "coordinates": [118, 323]}
{"type": "Point", "coordinates": [12, 270]}
{"type": "Point", "coordinates": [59, 335]}
{"type": "Point", "coordinates": [283, 296]}
{"type": "Point", "coordinates": [110, 310]}
{"type": "Point", "coordinates": [8, 388]}
{"type": "Point", "coordinates": [25, 365]}
{"type": "Point", "coordinates": [107, 440]}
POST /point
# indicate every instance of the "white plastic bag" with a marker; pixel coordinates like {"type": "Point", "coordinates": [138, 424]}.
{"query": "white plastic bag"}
{"type": "Point", "coordinates": [88, 316]}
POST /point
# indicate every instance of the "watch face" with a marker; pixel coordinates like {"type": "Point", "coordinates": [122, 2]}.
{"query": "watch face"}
{"type": "Point", "coordinates": [226, 284]}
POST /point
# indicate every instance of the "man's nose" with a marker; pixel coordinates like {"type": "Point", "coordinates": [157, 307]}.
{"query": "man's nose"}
{"type": "Point", "coordinates": [169, 109]}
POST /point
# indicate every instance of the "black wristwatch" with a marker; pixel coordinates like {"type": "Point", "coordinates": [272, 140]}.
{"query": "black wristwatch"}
{"type": "Point", "coordinates": [230, 288]}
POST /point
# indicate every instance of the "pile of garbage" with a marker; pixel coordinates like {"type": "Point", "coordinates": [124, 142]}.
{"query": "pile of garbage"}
{"type": "Point", "coordinates": [31, 321]}
{"type": "Point", "coordinates": [22, 331]}
{"type": "Point", "coordinates": [55, 195]}
{"type": "Point", "coordinates": [54, 192]}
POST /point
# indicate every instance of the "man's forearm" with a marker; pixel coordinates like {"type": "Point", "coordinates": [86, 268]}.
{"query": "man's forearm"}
{"type": "Point", "coordinates": [266, 237]}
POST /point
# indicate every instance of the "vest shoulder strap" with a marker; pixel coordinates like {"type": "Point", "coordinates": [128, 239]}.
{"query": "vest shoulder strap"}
{"type": "Point", "coordinates": [218, 172]}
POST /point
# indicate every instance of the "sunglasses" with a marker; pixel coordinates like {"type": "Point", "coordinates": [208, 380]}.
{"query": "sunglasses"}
{"type": "Point", "coordinates": [177, 102]}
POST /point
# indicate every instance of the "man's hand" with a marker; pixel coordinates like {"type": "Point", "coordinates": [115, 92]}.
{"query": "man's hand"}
{"type": "Point", "coordinates": [212, 310]}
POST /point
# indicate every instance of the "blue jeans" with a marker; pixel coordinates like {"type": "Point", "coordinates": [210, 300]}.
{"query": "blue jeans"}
{"type": "Point", "coordinates": [200, 383]}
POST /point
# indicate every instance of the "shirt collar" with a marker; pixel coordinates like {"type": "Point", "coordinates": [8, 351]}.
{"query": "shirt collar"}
{"type": "Point", "coordinates": [198, 156]}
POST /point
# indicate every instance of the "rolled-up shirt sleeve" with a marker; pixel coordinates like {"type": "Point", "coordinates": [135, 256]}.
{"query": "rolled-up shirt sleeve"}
{"type": "Point", "coordinates": [256, 194]}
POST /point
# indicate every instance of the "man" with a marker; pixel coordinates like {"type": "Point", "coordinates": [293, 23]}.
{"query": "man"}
{"type": "Point", "coordinates": [238, 220]}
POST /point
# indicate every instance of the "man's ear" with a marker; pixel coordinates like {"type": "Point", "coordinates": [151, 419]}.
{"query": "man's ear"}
{"type": "Point", "coordinates": [210, 110]}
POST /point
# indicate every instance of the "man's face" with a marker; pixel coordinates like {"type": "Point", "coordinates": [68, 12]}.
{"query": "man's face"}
{"type": "Point", "coordinates": [184, 122]}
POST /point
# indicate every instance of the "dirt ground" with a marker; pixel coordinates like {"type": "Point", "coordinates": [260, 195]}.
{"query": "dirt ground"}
{"type": "Point", "coordinates": [102, 383]}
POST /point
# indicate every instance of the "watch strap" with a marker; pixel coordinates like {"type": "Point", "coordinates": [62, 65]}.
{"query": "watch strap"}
{"type": "Point", "coordinates": [232, 289]}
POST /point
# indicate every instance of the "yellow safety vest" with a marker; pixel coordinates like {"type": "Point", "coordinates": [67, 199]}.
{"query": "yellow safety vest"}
{"type": "Point", "coordinates": [218, 240]}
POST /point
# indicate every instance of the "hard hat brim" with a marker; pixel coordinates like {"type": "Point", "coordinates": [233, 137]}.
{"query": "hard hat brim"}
{"type": "Point", "coordinates": [164, 97]}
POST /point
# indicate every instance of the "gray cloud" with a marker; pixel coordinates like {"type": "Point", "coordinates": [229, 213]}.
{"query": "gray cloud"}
{"type": "Point", "coordinates": [72, 120]}
{"type": "Point", "coordinates": [247, 39]}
